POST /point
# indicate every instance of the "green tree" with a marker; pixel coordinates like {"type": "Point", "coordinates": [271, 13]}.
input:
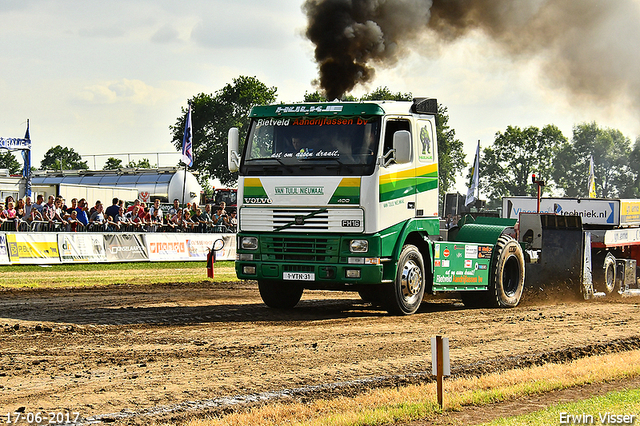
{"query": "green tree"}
{"type": "Point", "coordinates": [611, 151]}
{"type": "Point", "coordinates": [212, 117]}
{"type": "Point", "coordinates": [58, 157]}
{"type": "Point", "coordinates": [112, 164]}
{"type": "Point", "coordinates": [140, 164]}
{"type": "Point", "coordinates": [8, 161]}
{"type": "Point", "coordinates": [507, 165]}
{"type": "Point", "coordinates": [384, 94]}
{"type": "Point", "coordinates": [451, 157]}
{"type": "Point", "coordinates": [314, 97]}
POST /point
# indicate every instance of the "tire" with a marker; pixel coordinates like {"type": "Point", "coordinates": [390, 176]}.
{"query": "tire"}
{"type": "Point", "coordinates": [507, 274]}
{"type": "Point", "coordinates": [605, 277]}
{"type": "Point", "coordinates": [280, 295]}
{"type": "Point", "coordinates": [404, 296]}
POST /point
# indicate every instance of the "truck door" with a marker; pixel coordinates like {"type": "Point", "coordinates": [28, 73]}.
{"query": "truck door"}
{"type": "Point", "coordinates": [397, 181]}
{"type": "Point", "coordinates": [426, 166]}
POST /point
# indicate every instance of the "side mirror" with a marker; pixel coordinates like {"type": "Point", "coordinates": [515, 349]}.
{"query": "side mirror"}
{"type": "Point", "coordinates": [233, 158]}
{"type": "Point", "coordinates": [402, 146]}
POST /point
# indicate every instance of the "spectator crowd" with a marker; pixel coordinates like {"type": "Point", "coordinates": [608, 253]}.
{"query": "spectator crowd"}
{"type": "Point", "coordinates": [55, 216]}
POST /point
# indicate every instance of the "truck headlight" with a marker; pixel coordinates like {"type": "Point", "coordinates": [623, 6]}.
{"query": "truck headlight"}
{"type": "Point", "coordinates": [358, 246]}
{"type": "Point", "coordinates": [249, 243]}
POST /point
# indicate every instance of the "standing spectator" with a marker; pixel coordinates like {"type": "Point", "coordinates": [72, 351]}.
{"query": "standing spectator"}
{"type": "Point", "coordinates": [39, 205]}
{"type": "Point", "coordinates": [72, 221]}
{"type": "Point", "coordinates": [175, 208]}
{"type": "Point", "coordinates": [220, 220]}
{"type": "Point", "coordinates": [27, 207]}
{"type": "Point", "coordinates": [74, 205]}
{"type": "Point", "coordinates": [81, 211]}
{"type": "Point", "coordinates": [136, 203]}
{"type": "Point", "coordinates": [233, 221]}
{"type": "Point", "coordinates": [97, 220]}
{"type": "Point", "coordinates": [113, 209]}
{"type": "Point", "coordinates": [94, 208]}
{"type": "Point", "coordinates": [187, 223]}
{"type": "Point", "coordinates": [20, 209]}
{"type": "Point", "coordinates": [10, 214]}
{"type": "Point", "coordinates": [156, 220]}
{"type": "Point", "coordinates": [155, 206]}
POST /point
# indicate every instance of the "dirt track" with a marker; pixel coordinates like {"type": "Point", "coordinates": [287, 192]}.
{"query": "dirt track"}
{"type": "Point", "coordinates": [107, 349]}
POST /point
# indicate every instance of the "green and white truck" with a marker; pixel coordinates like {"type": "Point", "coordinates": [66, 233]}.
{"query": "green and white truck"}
{"type": "Point", "coordinates": [344, 196]}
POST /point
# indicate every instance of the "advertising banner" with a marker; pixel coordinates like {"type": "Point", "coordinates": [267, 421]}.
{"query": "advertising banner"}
{"type": "Point", "coordinates": [167, 247]}
{"type": "Point", "coordinates": [125, 247]}
{"type": "Point", "coordinates": [461, 266]}
{"type": "Point", "coordinates": [33, 248]}
{"type": "Point", "coordinates": [4, 250]}
{"type": "Point", "coordinates": [592, 211]}
{"type": "Point", "coordinates": [176, 247]}
{"type": "Point", "coordinates": [81, 247]}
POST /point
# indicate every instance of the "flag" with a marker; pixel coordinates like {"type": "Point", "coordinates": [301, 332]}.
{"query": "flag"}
{"type": "Point", "coordinates": [187, 141]}
{"type": "Point", "coordinates": [592, 179]}
{"type": "Point", "coordinates": [26, 171]}
{"type": "Point", "coordinates": [471, 198]}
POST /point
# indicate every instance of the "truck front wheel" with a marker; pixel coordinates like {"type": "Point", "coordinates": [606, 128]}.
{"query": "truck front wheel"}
{"type": "Point", "coordinates": [404, 296]}
{"type": "Point", "coordinates": [507, 277]}
{"type": "Point", "coordinates": [280, 295]}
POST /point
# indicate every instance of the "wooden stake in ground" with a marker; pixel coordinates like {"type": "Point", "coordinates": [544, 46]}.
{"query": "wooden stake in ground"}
{"type": "Point", "coordinates": [440, 363]}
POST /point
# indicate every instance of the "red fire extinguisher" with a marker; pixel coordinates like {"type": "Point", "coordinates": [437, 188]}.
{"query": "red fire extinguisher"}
{"type": "Point", "coordinates": [211, 256]}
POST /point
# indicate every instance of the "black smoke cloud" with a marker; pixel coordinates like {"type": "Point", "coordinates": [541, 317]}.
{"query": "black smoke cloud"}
{"type": "Point", "coordinates": [585, 46]}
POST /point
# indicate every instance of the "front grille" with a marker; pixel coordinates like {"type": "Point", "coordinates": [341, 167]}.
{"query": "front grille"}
{"type": "Point", "coordinates": [305, 249]}
{"type": "Point", "coordinates": [256, 219]}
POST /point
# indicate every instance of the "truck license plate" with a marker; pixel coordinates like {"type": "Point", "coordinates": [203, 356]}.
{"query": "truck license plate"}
{"type": "Point", "coordinates": [299, 276]}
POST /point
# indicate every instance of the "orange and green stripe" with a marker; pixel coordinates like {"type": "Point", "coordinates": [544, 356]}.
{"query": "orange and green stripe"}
{"type": "Point", "coordinates": [253, 188]}
{"type": "Point", "coordinates": [348, 192]}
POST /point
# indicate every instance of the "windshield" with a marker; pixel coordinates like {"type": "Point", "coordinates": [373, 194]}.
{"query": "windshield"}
{"type": "Point", "coordinates": [312, 146]}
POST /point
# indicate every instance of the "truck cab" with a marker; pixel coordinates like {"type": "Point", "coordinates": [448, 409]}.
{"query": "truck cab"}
{"type": "Point", "coordinates": [340, 196]}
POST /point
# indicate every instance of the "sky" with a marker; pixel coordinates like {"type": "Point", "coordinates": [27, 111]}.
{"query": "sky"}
{"type": "Point", "coordinates": [109, 78]}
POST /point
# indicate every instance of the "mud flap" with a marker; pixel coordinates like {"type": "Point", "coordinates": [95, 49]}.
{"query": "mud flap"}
{"type": "Point", "coordinates": [561, 260]}
{"type": "Point", "coordinates": [587, 273]}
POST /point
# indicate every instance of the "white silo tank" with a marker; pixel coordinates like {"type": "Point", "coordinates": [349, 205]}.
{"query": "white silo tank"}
{"type": "Point", "coordinates": [184, 189]}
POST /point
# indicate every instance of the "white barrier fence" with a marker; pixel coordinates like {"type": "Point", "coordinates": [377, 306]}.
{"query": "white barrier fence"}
{"type": "Point", "coordinates": [50, 248]}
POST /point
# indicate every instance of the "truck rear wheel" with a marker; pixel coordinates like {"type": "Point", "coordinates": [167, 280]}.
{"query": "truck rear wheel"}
{"type": "Point", "coordinates": [605, 278]}
{"type": "Point", "coordinates": [280, 295]}
{"type": "Point", "coordinates": [507, 274]}
{"type": "Point", "coordinates": [404, 296]}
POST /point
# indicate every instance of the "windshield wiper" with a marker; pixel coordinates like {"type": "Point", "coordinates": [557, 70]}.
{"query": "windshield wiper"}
{"type": "Point", "coordinates": [299, 220]}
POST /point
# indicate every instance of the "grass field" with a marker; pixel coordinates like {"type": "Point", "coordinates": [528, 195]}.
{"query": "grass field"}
{"type": "Point", "coordinates": [418, 402]}
{"type": "Point", "coordinates": [96, 274]}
